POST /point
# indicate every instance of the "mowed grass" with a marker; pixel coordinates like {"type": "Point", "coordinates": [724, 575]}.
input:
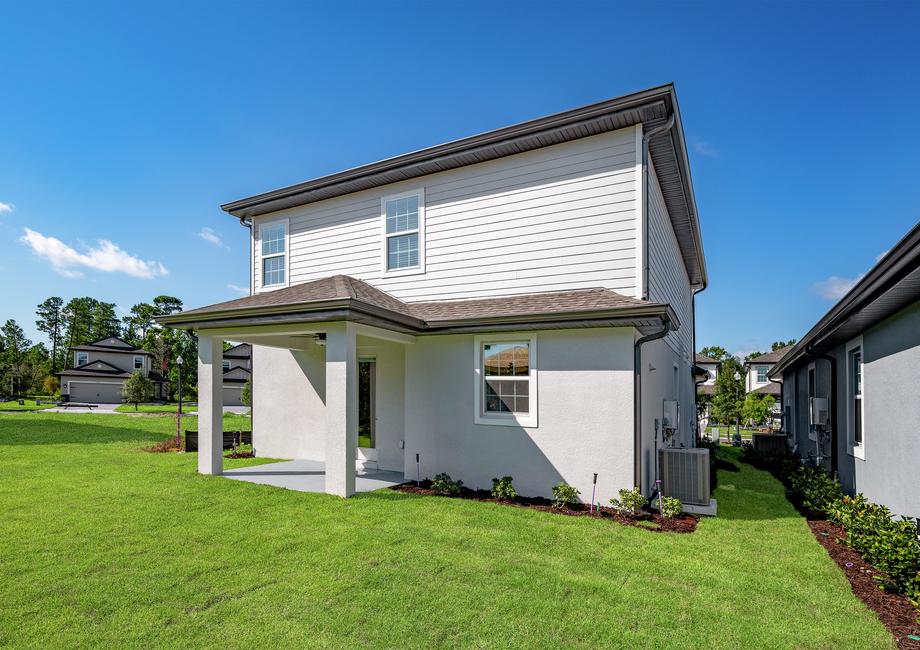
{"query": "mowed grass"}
{"type": "Point", "coordinates": [155, 408]}
{"type": "Point", "coordinates": [107, 545]}
{"type": "Point", "coordinates": [27, 405]}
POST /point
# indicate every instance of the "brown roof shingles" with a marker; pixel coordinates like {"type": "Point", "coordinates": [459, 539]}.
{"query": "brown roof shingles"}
{"type": "Point", "coordinates": [343, 287]}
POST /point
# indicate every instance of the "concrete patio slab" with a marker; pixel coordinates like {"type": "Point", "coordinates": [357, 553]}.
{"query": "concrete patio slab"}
{"type": "Point", "coordinates": [310, 476]}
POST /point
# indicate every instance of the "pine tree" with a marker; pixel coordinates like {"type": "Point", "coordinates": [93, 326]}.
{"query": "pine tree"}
{"type": "Point", "coordinates": [51, 322]}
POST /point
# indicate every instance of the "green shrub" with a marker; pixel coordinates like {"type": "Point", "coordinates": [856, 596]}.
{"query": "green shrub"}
{"type": "Point", "coordinates": [502, 488]}
{"type": "Point", "coordinates": [814, 489]}
{"type": "Point", "coordinates": [630, 502]}
{"type": "Point", "coordinates": [241, 450]}
{"type": "Point", "coordinates": [670, 507]}
{"type": "Point", "coordinates": [564, 494]}
{"type": "Point", "coordinates": [443, 484]}
{"type": "Point", "coordinates": [889, 545]}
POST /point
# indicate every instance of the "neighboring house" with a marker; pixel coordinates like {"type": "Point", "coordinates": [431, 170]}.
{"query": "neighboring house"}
{"type": "Point", "coordinates": [100, 369]}
{"type": "Point", "coordinates": [518, 302]}
{"type": "Point", "coordinates": [757, 379]}
{"type": "Point", "coordinates": [237, 369]}
{"type": "Point", "coordinates": [863, 358]}
{"type": "Point", "coordinates": [708, 370]}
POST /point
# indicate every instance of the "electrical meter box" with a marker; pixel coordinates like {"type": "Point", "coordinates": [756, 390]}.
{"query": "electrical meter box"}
{"type": "Point", "coordinates": [670, 414]}
{"type": "Point", "coordinates": [817, 411]}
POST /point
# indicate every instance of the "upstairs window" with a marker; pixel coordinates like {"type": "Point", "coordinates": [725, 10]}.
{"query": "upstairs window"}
{"type": "Point", "coordinates": [404, 232]}
{"type": "Point", "coordinates": [82, 358]}
{"type": "Point", "coordinates": [226, 366]}
{"type": "Point", "coordinates": [273, 237]}
{"type": "Point", "coordinates": [138, 362]}
{"type": "Point", "coordinates": [761, 374]}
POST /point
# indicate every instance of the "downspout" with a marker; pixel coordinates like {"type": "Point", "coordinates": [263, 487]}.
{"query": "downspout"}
{"type": "Point", "coordinates": [645, 140]}
{"type": "Point", "coordinates": [637, 397]}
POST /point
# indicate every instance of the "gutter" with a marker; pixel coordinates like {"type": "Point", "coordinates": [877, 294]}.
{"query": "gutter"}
{"type": "Point", "coordinates": [637, 398]}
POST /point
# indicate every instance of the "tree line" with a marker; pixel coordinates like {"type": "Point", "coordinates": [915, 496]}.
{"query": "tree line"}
{"type": "Point", "coordinates": [30, 368]}
{"type": "Point", "coordinates": [729, 403]}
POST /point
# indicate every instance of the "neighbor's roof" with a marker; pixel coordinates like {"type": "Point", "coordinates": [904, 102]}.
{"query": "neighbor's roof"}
{"type": "Point", "coordinates": [768, 389]}
{"type": "Point", "coordinates": [889, 286]}
{"type": "Point", "coordinates": [651, 108]}
{"type": "Point", "coordinates": [239, 351]}
{"type": "Point", "coordinates": [341, 297]}
{"type": "Point", "coordinates": [705, 389]}
{"type": "Point", "coordinates": [769, 357]}
{"type": "Point", "coordinates": [702, 358]}
{"type": "Point", "coordinates": [110, 344]}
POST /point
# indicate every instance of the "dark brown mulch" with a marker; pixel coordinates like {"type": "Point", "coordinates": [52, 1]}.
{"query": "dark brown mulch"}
{"type": "Point", "coordinates": [894, 610]}
{"type": "Point", "coordinates": [647, 521]}
{"type": "Point", "coordinates": [244, 454]}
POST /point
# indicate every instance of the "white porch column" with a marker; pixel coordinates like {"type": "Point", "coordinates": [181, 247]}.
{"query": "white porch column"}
{"type": "Point", "coordinates": [210, 405]}
{"type": "Point", "coordinates": [341, 409]}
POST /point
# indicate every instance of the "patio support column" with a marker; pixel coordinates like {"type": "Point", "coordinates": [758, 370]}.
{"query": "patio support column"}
{"type": "Point", "coordinates": [210, 404]}
{"type": "Point", "coordinates": [341, 409]}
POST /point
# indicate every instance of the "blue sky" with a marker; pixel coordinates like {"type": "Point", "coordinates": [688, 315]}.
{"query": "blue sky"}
{"type": "Point", "coordinates": [129, 123]}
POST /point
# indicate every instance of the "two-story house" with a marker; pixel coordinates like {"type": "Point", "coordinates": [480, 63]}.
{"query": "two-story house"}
{"type": "Point", "coordinates": [708, 371]}
{"type": "Point", "coordinates": [757, 378]}
{"type": "Point", "coordinates": [100, 369]}
{"type": "Point", "coordinates": [237, 369]}
{"type": "Point", "coordinates": [519, 302]}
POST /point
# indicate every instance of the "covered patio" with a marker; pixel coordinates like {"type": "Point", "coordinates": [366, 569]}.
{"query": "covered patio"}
{"type": "Point", "coordinates": [310, 476]}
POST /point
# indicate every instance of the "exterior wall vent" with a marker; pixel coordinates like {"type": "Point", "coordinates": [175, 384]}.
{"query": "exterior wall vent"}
{"type": "Point", "coordinates": [685, 474]}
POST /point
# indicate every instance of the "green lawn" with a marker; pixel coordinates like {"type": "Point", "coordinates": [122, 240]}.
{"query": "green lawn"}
{"type": "Point", "coordinates": [29, 405]}
{"type": "Point", "coordinates": [155, 408]}
{"type": "Point", "coordinates": [104, 544]}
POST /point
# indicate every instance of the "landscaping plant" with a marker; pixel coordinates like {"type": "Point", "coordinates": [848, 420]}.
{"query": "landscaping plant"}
{"type": "Point", "coordinates": [630, 502]}
{"type": "Point", "coordinates": [443, 484]}
{"type": "Point", "coordinates": [502, 488]}
{"type": "Point", "coordinates": [564, 494]}
{"type": "Point", "coordinates": [814, 489]}
{"type": "Point", "coordinates": [241, 450]}
{"type": "Point", "coordinates": [670, 507]}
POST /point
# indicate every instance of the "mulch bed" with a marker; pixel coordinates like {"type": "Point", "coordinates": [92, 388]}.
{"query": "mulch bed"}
{"type": "Point", "coordinates": [647, 521]}
{"type": "Point", "coordinates": [894, 610]}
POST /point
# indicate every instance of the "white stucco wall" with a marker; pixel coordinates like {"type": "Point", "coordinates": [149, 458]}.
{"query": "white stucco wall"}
{"type": "Point", "coordinates": [288, 393]}
{"type": "Point", "coordinates": [585, 410]}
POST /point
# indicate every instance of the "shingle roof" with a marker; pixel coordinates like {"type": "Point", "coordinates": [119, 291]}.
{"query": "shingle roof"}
{"type": "Point", "coordinates": [768, 389]}
{"type": "Point", "coordinates": [769, 357]}
{"type": "Point", "coordinates": [320, 293]}
{"type": "Point", "coordinates": [702, 358]}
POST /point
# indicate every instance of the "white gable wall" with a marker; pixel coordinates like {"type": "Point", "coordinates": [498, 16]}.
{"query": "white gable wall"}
{"type": "Point", "coordinates": [561, 217]}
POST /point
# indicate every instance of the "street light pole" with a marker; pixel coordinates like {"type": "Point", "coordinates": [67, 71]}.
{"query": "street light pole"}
{"type": "Point", "coordinates": [179, 410]}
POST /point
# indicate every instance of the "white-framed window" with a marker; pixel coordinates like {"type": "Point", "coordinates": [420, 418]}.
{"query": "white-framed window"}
{"type": "Point", "coordinates": [855, 414]}
{"type": "Point", "coordinates": [138, 362]}
{"type": "Point", "coordinates": [506, 380]}
{"type": "Point", "coordinates": [273, 252]}
{"type": "Point", "coordinates": [761, 374]}
{"type": "Point", "coordinates": [82, 358]}
{"type": "Point", "coordinates": [226, 365]}
{"type": "Point", "coordinates": [403, 218]}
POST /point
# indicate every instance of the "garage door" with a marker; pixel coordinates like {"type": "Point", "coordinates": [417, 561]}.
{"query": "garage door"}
{"type": "Point", "coordinates": [232, 395]}
{"type": "Point", "coordinates": [98, 393]}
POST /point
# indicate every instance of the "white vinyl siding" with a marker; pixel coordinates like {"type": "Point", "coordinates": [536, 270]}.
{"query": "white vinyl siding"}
{"type": "Point", "coordinates": [561, 217]}
{"type": "Point", "coordinates": [667, 275]}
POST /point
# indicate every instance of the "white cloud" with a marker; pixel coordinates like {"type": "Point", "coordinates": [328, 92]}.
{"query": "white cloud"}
{"type": "Point", "coordinates": [878, 258]}
{"type": "Point", "coordinates": [835, 287]}
{"type": "Point", "coordinates": [703, 148]}
{"type": "Point", "coordinates": [6, 207]}
{"type": "Point", "coordinates": [213, 238]}
{"type": "Point", "coordinates": [243, 290]}
{"type": "Point", "coordinates": [107, 256]}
